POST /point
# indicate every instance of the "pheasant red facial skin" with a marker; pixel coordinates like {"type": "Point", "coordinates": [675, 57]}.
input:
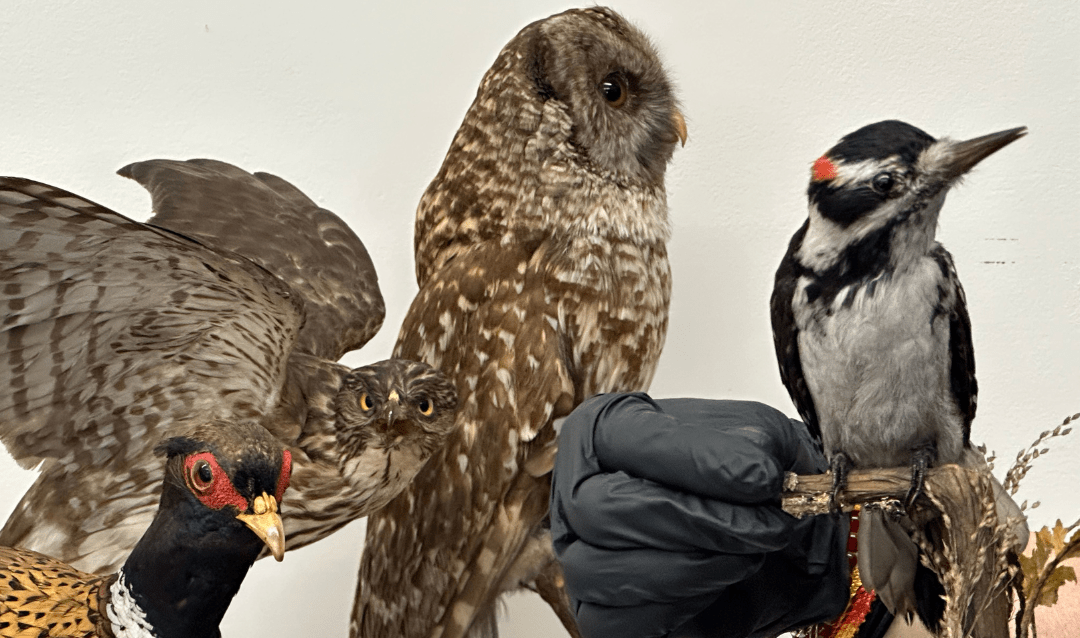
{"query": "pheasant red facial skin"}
{"type": "Point", "coordinates": [286, 474]}
{"type": "Point", "coordinates": [218, 491]}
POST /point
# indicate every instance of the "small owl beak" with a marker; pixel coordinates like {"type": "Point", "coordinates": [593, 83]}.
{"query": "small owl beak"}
{"type": "Point", "coordinates": [393, 401]}
{"type": "Point", "coordinates": [266, 523]}
{"type": "Point", "coordinates": [680, 125]}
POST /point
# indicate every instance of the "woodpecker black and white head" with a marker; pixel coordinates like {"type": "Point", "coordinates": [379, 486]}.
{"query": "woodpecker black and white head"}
{"type": "Point", "coordinates": [875, 197]}
{"type": "Point", "coordinates": [869, 319]}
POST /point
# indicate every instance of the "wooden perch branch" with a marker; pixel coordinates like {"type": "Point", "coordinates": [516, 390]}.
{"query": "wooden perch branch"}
{"type": "Point", "coordinates": [808, 494]}
{"type": "Point", "coordinates": [956, 527]}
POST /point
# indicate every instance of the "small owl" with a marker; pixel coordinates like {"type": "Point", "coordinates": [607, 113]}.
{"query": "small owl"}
{"type": "Point", "coordinates": [544, 279]}
{"type": "Point", "coordinates": [233, 302]}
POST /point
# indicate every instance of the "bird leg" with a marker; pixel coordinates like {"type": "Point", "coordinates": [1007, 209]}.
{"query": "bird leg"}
{"type": "Point", "coordinates": [921, 458]}
{"type": "Point", "coordinates": [839, 465]}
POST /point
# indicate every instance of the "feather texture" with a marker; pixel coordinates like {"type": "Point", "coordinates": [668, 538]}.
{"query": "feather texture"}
{"type": "Point", "coordinates": [543, 274]}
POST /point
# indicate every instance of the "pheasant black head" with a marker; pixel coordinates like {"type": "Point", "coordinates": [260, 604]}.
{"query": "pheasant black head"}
{"type": "Point", "coordinates": [219, 507]}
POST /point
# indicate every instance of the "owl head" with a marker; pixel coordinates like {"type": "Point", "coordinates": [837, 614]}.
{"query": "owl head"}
{"type": "Point", "coordinates": [570, 134]}
{"type": "Point", "coordinates": [393, 404]}
{"type": "Point", "coordinates": [608, 75]}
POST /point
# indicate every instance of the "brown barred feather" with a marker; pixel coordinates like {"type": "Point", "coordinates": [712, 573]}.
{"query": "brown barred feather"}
{"type": "Point", "coordinates": [116, 334]}
{"type": "Point", "coordinates": [544, 279]}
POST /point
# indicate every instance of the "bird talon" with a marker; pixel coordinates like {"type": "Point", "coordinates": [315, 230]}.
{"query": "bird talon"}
{"type": "Point", "coordinates": [920, 462]}
{"type": "Point", "coordinates": [838, 466]}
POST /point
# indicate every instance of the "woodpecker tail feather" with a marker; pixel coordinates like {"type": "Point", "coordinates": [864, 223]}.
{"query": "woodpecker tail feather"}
{"type": "Point", "coordinates": [887, 560]}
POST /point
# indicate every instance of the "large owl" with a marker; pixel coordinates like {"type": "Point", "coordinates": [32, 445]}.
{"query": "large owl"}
{"type": "Point", "coordinates": [544, 279]}
{"type": "Point", "coordinates": [232, 303]}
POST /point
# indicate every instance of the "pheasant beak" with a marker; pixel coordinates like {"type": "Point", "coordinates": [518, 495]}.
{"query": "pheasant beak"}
{"type": "Point", "coordinates": [266, 523]}
{"type": "Point", "coordinates": [680, 125]}
{"type": "Point", "coordinates": [963, 156]}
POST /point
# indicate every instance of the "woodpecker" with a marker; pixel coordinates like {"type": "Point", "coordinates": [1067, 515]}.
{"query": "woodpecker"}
{"type": "Point", "coordinates": [869, 319]}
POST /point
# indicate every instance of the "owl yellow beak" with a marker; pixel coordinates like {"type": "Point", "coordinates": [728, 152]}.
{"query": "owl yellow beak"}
{"type": "Point", "coordinates": [680, 125]}
{"type": "Point", "coordinates": [266, 523]}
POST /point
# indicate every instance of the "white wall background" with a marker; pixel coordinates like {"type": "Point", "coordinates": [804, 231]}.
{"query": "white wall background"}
{"type": "Point", "coordinates": [357, 103]}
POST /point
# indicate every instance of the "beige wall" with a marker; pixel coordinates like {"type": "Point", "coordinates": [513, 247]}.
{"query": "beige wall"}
{"type": "Point", "coordinates": [357, 105]}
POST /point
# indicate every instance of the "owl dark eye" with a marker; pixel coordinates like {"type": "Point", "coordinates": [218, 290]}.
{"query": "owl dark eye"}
{"type": "Point", "coordinates": [883, 183]}
{"type": "Point", "coordinates": [613, 88]}
{"type": "Point", "coordinates": [202, 476]}
{"type": "Point", "coordinates": [365, 402]}
{"type": "Point", "coordinates": [426, 407]}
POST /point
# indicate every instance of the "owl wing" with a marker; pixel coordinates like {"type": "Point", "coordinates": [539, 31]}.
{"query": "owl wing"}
{"type": "Point", "coordinates": [114, 332]}
{"type": "Point", "coordinates": [271, 222]}
{"type": "Point", "coordinates": [485, 319]}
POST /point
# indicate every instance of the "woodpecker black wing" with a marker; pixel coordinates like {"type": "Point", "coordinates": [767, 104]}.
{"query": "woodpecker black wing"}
{"type": "Point", "coordinates": [786, 336]}
{"type": "Point", "coordinates": [965, 388]}
{"type": "Point", "coordinates": [271, 222]}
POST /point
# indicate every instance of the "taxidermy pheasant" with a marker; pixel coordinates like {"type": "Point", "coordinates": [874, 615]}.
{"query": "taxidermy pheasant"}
{"type": "Point", "coordinates": [232, 302]}
{"type": "Point", "coordinates": [219, 508]}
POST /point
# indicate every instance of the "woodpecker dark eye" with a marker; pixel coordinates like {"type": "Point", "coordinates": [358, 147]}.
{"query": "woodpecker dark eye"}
{"type": "Point", "coordinates": [365, 402]}
{"type": "Point", "coordinates": [202, 476]}
{"type": "Point", "coordinates": [883, 183]}
{"type": "Point", "coordinates": [426, 407]}
{"type": "Point", "coordinates": [613, 88]}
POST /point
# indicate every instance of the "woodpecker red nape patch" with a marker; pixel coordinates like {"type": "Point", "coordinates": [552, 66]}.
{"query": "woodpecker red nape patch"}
{"type": "Point", "coordinates": [823, 169]}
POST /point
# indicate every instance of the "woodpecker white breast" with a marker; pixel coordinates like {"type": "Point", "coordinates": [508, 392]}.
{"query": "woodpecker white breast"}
{"type": "Point", "coordinates": [869, 317]}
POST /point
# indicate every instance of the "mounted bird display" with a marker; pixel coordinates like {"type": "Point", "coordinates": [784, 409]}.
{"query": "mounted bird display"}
{"type": "Point", "coordinates": [232, 302]}
{"type": "Point", "coordinates": [219, 507]}
{"type": "Point", "coordinates": [544, 279]}
{"type": "Point", "coordinates": [871, 326]}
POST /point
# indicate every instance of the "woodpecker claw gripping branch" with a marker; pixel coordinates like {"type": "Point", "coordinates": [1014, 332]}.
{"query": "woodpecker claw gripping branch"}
{"type": "Point", "coordinates": [962, 537]}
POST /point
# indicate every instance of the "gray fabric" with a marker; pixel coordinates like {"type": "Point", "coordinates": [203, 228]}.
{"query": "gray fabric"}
{"type": "Point", "coordinates": [665, 518]}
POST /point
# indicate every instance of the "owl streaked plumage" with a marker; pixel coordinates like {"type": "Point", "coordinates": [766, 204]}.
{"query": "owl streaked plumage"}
{"type": "Point", "coordinates": [544, 279]}
{"type": "Point", "coordinates": [232, 302]}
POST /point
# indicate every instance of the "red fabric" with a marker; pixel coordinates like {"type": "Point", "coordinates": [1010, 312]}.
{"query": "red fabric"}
{"type": "Point", "coordinates": [847, 624]}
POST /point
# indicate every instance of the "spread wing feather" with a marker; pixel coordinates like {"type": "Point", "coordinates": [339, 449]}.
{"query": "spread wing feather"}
{"type": "Point", "coordinates": [113, 329]}
{"type": "Point", "coordinates": [271, 222]}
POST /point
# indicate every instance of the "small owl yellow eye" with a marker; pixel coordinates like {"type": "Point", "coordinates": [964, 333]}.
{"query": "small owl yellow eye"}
{"type": "Point", "coordinates": [365, 402]}
{"type": "Point", "coordinates": [426, 407]}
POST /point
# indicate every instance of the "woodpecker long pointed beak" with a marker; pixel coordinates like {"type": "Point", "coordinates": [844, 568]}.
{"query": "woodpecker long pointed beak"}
{"type": "Point", "coordinates": [266, 523]}
{"type": "Point", "coordinates": [963, 156]}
